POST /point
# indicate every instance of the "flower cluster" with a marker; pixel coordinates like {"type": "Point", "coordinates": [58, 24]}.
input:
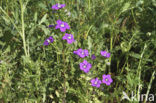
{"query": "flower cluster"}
{"type": "Point", "coordinates": [81, 53]}
{"type": "Point", "coordinates": [106, 79]}
{"type": "Point", "coordinates": [63, 26]}
{"type": "Point", "coordinates": [85, 66]}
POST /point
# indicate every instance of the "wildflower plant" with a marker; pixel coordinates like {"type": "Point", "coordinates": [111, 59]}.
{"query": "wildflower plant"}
{"type": "Point", "coordinates": [84, 51]}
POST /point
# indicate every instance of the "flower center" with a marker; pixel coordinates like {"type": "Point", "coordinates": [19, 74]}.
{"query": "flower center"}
{"type": "Point", "coordinates": [106, 79]}
{"type": "Point", "coordinates": [59, 5]}
{"type": "Point", "coordinates": [48, 40]}
{"type": "Point", "coordinates": [105, 54]}
{"type": "Point", "coordinates": [82, 53]}
{"type": "Point", "coordinates": [84, 66]}
{"type": "Point", "coordinates": [96, 82]}
{"type": "Point", "coordinates": [69, 37]}
{"type": "Point", "coordinates": [62, 25]}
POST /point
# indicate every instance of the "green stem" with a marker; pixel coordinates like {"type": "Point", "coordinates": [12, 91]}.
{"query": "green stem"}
{"type": "Point", "coordinates": [149, 86]}
{"type": "Point", "coordinates": [89, 4]}
{"type": "Point", "coordinates": [133, 16]}
{"type": "Point", "coordinates": [111, 47]}
{"type": "Point", "coordinates": [1, 3]}
{"type": "Point", "coordinates": [139, 70]}
{"type": "Point", "coordinates": [7, 6]}
{"type": "Point", "coordinates": [124, 65]}
{"type": "Point", "coordinates": [64, 73]}
{"type": "Point", "coordinates": [23, 29]}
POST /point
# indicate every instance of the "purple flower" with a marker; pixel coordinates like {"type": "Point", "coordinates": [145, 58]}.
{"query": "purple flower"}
{"type": "Point", "coordinates": [82, 53]}
{"type": "Point", "coordinates": [107, 79]}
{"type": "Point", "coordinates": [69, 38]}
{"type": "Point", "coordinates": [96, 82]}
{"type": "Point", "coordinates": [62, 25]}
{"type": "Point", "coordinates": [93, 57]}
{"type": "Point", "coordinates": [50, 26]}
{"type": "Point", "coordinates": [58, 6]}
{"type": "Point", "coordinates": [75, 52]}
{"type": "Point", "coordinates": [48, 40]}
{"type": "Point", "coordinates": [105, 54]}
{"type": "Point", "coordinates": [85, 66]}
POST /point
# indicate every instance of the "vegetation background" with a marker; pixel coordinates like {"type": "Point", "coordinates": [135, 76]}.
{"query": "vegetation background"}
{"type": "Point", "coordinates": [33, 73]}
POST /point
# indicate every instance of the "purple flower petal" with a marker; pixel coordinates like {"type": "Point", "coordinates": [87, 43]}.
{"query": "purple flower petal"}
{"type": "Point", "coordinates": [62, 25]}
{"type": "Point", "coordinates": [50, 26]}
{"type": "Point", "coordinates": [48, 41]}
{"type": "Point", "coordinates": [86, 52]}
{"type": "Point", "coordinates": [58, 21]}
{"type": "Point", "coordinates": [93, 57]}
{"type": "Point", "coordinates": [75, 52]}
{"type": "Point", "coordinates": [105, 54]}
{"type": "Point", "coordinates": [85, 62]}
{"type": "Point", "coordinates": [82, 53]}
{"type": "Point", "coordinates": [69, 38]}
{"type": "Point", "coordinates": [58, 6]}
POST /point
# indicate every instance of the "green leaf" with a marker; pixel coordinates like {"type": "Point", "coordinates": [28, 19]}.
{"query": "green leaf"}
{"type": "Point", "coordinates": [46, 31]}
{"type": "Point", "coordinates": [126, 6]}
{"type": "Point", "coordinates": [135, 55]}
{"type": "Point", "coordinates": [125, 46]}
{"type": "Point", "coordinates": [43, 19]}
{"type": "Point", "coordinates": [89, 42]}
{"type": "Point", "coordinates": [35, 17]}
{"type": "Point", "coordinates": [57, 93]}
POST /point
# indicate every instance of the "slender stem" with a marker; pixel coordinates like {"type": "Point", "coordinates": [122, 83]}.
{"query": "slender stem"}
{"type": "Point", "coordinates": [64, 72]}
{"type": "Point", "coordinates": [23, 28]}
{"type": "Point", "coordinates": [7, 6]}
{"type": "Point", "coordinates": [149, 86]}
{"type": "Point", "coordinates": [111, 47]}
{"type": "Point", "coordinates": [89, 4]}
{"type": "Point", "coordinates": [124, 64]}
{"type": "Point", "coordinates": [139, 70]}
{"type": "Point", "coordinates": [1, 3]}
{"type": "Point", "coordinates": [133, 16]}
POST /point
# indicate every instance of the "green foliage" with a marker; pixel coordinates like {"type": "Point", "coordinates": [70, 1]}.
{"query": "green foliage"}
{"type": "Point", "coordinates": [33, 73]}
